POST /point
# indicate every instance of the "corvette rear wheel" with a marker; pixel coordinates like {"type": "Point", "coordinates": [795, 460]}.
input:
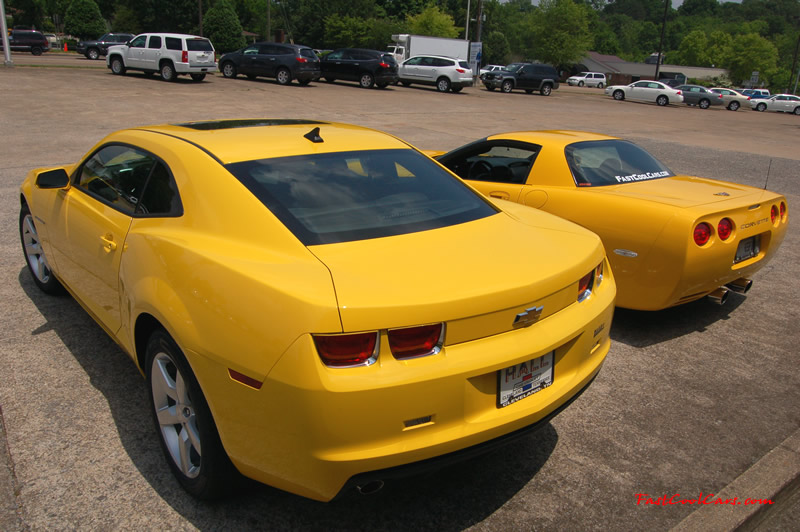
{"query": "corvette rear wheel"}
{"type": "Point", "coordinates": [184, 423]}
{"type": "Point", "coordinates": [34, 254]}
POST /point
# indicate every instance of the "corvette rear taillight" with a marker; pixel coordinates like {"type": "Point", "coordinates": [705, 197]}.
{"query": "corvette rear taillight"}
{"type": "Point", "coordinates": [725, 228]}
{"type": "Point", "coordinates": [412, 342]}
{"type": "Point", "coordinates": [347, 350]}
{"type": "Point", "coordinates": [783, 211]}
{"type": "Point", "coordinates": [184, 57]}
{"type": "Point", "coordinates": [773, 213]}
{"type": "Point", "coordinates": [702, 234]}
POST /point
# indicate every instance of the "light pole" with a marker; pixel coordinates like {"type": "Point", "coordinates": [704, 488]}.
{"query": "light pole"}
{"type": "Point", "coordinates": [466, 31]}
{"type": "Point", "coordinates": [6, 48]}
{"type": "Point", "coordinates": [661, 43]}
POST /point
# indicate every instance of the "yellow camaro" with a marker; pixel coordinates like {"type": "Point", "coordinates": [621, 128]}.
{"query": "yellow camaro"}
{"type": "Point", "coordinates": [317, 305]}
{"type": "Point", "coordinates": [670, 238]}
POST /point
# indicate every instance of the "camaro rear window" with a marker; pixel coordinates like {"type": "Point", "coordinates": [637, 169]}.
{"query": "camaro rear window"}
{"type": "Point", "coordinates": [612, 162]}
{"type": "Point", "coordinates": [340, 197]}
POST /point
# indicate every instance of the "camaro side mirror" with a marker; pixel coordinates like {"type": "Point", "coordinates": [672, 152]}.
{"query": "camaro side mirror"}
{"type": "Point", "coordinates": [57, 178]}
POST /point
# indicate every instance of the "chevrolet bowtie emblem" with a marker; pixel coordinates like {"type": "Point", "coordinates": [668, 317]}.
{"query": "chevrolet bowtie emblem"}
{"type": "Point", "coordinates": [529, 317]}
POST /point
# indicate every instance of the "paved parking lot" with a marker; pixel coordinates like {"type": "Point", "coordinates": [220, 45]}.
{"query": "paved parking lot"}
{"type": "Point", "coordinates": [697, 399]}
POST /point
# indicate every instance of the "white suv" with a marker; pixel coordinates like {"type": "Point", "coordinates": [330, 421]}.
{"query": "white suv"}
{"type": "Point", "coordinates": [590, 79]}
{"type": "Point", "coordinates": [445, 73]}
{"type": "Point", "coordinates": [169, 54]}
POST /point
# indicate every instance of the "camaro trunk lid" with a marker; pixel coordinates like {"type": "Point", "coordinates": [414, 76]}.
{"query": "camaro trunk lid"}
{"type": "Point", "coordinates": [682, 191]}
{"type": "Point", "coordinates": [432, 276]}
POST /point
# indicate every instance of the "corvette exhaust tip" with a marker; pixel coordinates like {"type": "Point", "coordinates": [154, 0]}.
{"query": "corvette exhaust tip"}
{"type": "Point", "coordinates": [719, 296]}
{"type": "Point", "coordinates": [740, 286]}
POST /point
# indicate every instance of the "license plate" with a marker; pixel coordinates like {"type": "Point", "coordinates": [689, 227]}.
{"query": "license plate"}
{"type": "Point", "coordinates": [748, 248]}
{"type": "Point", "coordinates": [522, 380]}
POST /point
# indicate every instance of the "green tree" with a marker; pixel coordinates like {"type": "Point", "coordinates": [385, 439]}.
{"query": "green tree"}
{"type": "Point", "coordinates": [562, 34]}
{"type": "Point", "coordinates": [432, 21]}
{"type": "Point", "coordinates": [221, 25]}
{"type": "Point", "coordinates": [126, 21]}
{"type": "Point", "coordinates": [496, 50]}
{"type": "Point", "coordinates": [750, 53]}
{"type": "Point", "coordinates": [693, 50]}
{"type": "Point", "coordinates": [84, 20]}
{"type": "Point", "coordinates": [342, 31]}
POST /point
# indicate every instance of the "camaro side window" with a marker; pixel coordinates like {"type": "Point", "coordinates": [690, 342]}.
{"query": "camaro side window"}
{"type": "Point", "coordinates": [130, 180]}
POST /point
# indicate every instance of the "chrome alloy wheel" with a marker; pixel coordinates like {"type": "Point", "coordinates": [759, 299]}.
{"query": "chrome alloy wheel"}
{"type": "Point", "coordinates": [33, 250]}
{"type": "Point", "coordinates": [176, 414]}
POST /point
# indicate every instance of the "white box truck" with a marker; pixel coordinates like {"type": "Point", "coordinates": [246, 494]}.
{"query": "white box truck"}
{"type": "Point", "coordinates": [404, 46]}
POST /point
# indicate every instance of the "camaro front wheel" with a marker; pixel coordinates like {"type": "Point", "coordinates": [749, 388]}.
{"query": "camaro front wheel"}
{"type": "Point", "coordinates": [185, 426]}
{"type": "Point", "coordinates": [34, 254]}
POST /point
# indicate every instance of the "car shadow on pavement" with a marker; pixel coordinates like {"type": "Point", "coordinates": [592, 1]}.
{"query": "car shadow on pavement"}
{"type": "Point", "coordinates": [453, 498]}
{"type": "Point", "coordinates": [641, 328]}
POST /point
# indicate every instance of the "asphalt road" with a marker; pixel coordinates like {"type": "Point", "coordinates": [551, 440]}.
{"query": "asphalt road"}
{"type": "Point", "coordinates": [696, 399]}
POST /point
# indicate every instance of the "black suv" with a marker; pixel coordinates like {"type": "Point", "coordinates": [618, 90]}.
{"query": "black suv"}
{"type": "Point", "coordinates": [527, 76]}
{"type": "Point", "coordinates": [367, 67]}
{"type": "Point", "coordinates": [27, 41]}
{"type": "Point", "coordinates": [94, 49]}
{"type": "Point", "coordinates": [281, 61]}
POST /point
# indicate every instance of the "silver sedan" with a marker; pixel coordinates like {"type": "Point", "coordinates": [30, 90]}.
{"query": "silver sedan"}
{"type": "Point", "coordinates": [646, 91]}
{"type": "Point", "coordinates": [785, 103]}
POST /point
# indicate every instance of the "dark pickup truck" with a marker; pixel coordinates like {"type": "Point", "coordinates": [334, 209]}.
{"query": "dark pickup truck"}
{"type": "Point", "coordinates": [94, 49]}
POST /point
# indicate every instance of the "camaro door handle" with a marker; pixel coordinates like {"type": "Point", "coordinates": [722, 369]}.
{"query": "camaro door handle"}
{"type": "Point", "coordinates": [108, 243]}
{"type": "Point", "coordinates": [499, 195]}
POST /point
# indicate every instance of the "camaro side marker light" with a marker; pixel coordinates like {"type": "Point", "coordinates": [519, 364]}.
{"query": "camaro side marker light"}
{"type": "Point", "coordinates": [244, 379]}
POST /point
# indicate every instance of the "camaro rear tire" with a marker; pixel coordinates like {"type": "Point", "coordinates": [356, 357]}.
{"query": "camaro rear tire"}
{"type": "Point", "coordinates": [662, 100]}
{"type": "Point", "coordinates": [184, 423]}
{"type": "Point", "coordinates": [619, 95]}
{"type": "Point", "coordinates": [34, 254]}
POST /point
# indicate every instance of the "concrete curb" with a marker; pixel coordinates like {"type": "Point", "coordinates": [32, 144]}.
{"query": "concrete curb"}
{"type": "Point", "coordinates": [776, 476]}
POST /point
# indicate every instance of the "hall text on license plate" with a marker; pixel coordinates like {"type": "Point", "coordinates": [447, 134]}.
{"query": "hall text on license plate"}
{"type": "Point", "coordinates": [522, 380]}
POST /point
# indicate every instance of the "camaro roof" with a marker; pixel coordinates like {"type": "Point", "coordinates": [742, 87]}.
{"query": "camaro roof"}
{"type": "Point", "coordinates": [231, 141]}
{"type": "Point", "coordinates": [552, 137]}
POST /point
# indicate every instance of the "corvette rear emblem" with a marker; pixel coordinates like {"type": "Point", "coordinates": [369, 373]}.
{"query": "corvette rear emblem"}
{"type": "Point", "coordinates": [529, 317]}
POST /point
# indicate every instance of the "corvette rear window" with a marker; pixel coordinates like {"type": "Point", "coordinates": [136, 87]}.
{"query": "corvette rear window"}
{"type": "Point", "coordinates": [357, 195]}
{"type": "Point", "coordinates": [599, 163]}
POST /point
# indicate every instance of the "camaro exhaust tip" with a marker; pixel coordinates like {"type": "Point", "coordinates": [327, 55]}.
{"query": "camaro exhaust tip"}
{"type": "Point", "coordinates": [740, 286]}
{"type": "Point", "coordinates": [370, 487]}
{"type": "Point", "coordinates": [719, 296]}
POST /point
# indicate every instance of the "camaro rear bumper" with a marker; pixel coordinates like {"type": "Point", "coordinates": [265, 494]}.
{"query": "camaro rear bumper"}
{"type": "Point", "coordinates": [311, 429]}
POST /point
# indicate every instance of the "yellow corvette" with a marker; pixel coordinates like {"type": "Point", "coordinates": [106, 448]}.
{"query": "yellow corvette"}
{"type": "Point", "coordinates": [318, 305]}
{"type": "Point", "coordinates": [670, 238]}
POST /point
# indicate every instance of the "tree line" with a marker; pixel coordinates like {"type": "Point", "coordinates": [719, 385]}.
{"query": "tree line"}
{"type": "Point", "coordinates": [754, 35]}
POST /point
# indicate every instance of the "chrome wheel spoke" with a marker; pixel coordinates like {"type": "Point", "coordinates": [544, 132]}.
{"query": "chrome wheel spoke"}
{"type": "Point", "coordinates": [168, 416]}
{"type": "Point", "coordinates": [193, 434]}
{"type": "Point", "coordinates": [185, 450]}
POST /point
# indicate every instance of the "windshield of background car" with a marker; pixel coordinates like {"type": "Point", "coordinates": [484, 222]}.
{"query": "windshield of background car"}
{"type": "Point", "coordinates": [341, 197]}
{"type": "Point", "coordinates": [612, 162]}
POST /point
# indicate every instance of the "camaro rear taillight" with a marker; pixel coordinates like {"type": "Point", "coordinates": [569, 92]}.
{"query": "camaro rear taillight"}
{"type": "Point", "coordinates": [598, 274]}
{"type": "Point", "coordinates": [412, 342]}
{"type": "Point", "coordinates": [347, 350]}
{"type": "Point", "coordinates": [184, 57]}
{"type": "Point", "coordinates": [773, 213]}
{"type": "Point", "coordinates": [702, 234]}
{"type": "Point", "coordinates": [724, 228]}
